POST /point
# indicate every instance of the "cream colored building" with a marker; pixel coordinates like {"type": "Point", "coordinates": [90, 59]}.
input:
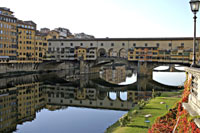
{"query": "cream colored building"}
{"type": "Point", "coordinates": [125, 47]}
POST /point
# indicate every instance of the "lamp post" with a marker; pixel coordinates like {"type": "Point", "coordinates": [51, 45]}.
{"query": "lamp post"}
{"type": "Point", "coordinates": [194, 4]}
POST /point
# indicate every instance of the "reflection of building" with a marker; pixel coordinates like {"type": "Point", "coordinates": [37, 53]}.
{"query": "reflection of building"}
{"type": "Point", "coordinates": [8, 109]}
{"type": "Point", "coordinates": [114, 75]}
{"type": "Point", "coordinates": [80, 94]}
{"type": "Point", "coordinates": [137, 96]}
{"type": "Point", "coordinates": [30, 99]}
{"type": "Point", "coordinates": [8, 45]}
{"type": "Point", "coordinates": [20, 104]}
{"type": "Point", "coordinates": [87, 97]}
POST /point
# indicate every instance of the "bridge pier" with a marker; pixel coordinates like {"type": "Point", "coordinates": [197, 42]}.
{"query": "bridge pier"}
{"type": "Point", "coordinates": [84, 67]}
{"type": "Point", "coordinates": [144, 69]}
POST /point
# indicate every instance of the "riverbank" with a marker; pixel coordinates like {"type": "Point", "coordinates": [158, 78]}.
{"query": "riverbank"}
{"type": "Point", "coordinates": [179, 119]}
{"type": "Point", "coordinates": [135, 118]}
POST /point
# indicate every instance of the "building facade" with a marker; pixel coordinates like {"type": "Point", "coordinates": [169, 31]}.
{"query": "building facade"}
{"type": "Point", "coordinates": [132, 49]}
{"type": "Point", "coordinates": [26, 31]}
{"type": "Point", "coordinates": [72, 50]}
{"type": "Point", "coordinates": [8, 45]}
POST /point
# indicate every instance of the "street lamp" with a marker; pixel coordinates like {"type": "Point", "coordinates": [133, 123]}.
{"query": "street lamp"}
{"type": "Point", "coordinates": [194, 4]}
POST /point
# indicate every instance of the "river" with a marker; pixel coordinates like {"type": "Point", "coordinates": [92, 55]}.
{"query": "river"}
{"type": "Point", "coordinates": [67, 103]}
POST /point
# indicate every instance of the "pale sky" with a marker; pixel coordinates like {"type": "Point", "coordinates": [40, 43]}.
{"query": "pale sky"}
{"type": "Point", "coordinates": [110, 18]}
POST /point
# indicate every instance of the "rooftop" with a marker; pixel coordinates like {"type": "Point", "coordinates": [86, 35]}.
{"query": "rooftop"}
{"type": "Point", "coordinates": [126, 39]}
{"type": "Point", "coordinates": [6, 9]}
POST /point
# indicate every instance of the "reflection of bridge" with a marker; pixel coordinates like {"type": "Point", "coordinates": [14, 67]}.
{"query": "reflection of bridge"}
{"type": "Point", "coordinates": [95, 93]}
{"type": "Point", "coordinates": [86, 97]}
{"type": "Point", "coordinates": [92, 80]}
{"type": "Point", "coordinates": [171, 68]}
{"type": "Point", "coordinates": [142, 84]}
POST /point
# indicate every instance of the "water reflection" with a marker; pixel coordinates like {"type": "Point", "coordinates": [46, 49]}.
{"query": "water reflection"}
{"type": "Point", "coordinates": [22, 97]}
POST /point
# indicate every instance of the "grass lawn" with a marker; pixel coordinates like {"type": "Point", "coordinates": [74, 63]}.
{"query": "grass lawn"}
{"type": "Point", "coordinates": [137, 123]}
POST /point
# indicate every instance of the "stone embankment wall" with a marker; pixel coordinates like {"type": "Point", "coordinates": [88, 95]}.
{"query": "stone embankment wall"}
{"type": "Point", "coordinates": [35, 67]}
{"type": "Point", "coordinates": [8, 68]}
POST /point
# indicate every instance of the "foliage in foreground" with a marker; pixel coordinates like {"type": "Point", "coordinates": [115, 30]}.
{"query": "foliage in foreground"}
{"type": "Point", "coordinates": [177, 119]}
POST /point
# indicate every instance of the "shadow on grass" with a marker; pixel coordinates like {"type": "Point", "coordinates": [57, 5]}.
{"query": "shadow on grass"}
{"type": "Point", "coordinates": [138, 126]}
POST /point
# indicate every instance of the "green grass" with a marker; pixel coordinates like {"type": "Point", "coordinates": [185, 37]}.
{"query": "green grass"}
{"type": "Point", "coordinates": [137, 124]}
{"type": "Point", "coordinates": [171, 94]}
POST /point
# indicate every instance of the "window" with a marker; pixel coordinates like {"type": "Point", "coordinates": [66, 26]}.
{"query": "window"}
{"type": "Point", "coordinates": [81, 44]}
{"type": "Point", "coordinates": [170, 44]}
{"type": "Point", "coordinates": [101, 44]}
{"type": "Point", "coordinates": [91, 44]}
{"type": "Point", "coordinates": [134, 44]}
{"type": "Point", "coordinates": [71, 44]}
{"type": "Point", "coordinates": [157, 44]}
{"type": "Point", "coordinates": [146, 44]}
{"type": "Point", "coordinates": [154, 48]}
{"type": "Point", "coordinates": [49, 49]}
{"type": "Point", "coordinates": [112, 44]}
{"type": "Point", "coordinates": [61, 44]}
{"type": "Point", "coordinates": [49, 44]}
{"type": "Point", "coordinates": [123, 44]}
{"type": "Point", "coordinates": [182, 44]}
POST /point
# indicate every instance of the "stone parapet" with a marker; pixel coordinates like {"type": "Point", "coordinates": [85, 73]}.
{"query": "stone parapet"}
{"type": "Point", "coordinates": [193, 105]}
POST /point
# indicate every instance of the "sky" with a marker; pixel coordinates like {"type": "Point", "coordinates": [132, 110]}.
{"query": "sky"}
{"type": "Point", "coordinates": [110, 18]}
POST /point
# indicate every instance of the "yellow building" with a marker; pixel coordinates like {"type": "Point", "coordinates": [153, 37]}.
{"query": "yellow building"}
{"type": "Point", "coordinates": [40, 46]}
{"type": "Point", "coordinates": [8, 46]}
{"type": "Point", "coordinates": [143, 53]}
{"type": "Point", "coordinates": [53, 35]}
{"type": "Point", "coordinates": [155, 54]}
{"type": "Point", "coordinates": [26, 41]}
{"type": "Point", "coordinates": [80, 53]}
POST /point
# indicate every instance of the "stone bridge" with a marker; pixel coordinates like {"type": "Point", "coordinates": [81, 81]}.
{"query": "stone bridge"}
{"type": "Point", "coordinates": [143, 68]}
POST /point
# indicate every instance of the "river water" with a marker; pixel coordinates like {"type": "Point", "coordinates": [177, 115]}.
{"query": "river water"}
{"type": "Point", "coordinates": [65, 102]}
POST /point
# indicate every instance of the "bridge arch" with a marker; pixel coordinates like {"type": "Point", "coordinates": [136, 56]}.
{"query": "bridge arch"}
{"type": "Point", "coordinates": [122, 53]}
{"type": "Point", "coordinates": [112, 53]}
{"type": "Point", "coordinates": [112, 96]}
{"type": "Point", "coordinates": [123, 96]}
{"type": "Point", "coordinates": [102, 95]}
{"type": "Point", "coordinates": [101, 52]}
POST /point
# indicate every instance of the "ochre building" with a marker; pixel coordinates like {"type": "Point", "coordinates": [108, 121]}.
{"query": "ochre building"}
{"type": "Point", "coordinates": [8, 46]}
